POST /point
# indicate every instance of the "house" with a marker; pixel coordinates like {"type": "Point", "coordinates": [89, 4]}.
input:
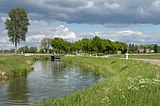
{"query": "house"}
{"type": "Point", "coordinates": [119, 52]}
{"type": "Point", "coordinates": [140, 50]}
{"type": "Point", "coordinates": [148, 50]}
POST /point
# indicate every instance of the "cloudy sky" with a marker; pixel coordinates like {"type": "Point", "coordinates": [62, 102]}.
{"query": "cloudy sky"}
{"type": "Point", "coordinates": [130, 21]}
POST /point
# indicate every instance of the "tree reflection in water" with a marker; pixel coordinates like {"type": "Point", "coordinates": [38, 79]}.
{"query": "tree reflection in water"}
{"type": "Point", "coordinates": [18, 90]}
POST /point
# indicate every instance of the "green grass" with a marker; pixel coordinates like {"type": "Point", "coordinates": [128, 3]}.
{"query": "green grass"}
{"type": "Point", "coordinates": [18, 65]}
{"type": "Point", "coordinates": [127, 83]}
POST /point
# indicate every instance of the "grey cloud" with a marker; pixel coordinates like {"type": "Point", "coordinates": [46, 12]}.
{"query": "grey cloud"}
{"type": "Point", "coordinates": [66, 3]}
{"type": "Point", "coordinates": [90, 11]}
{"type": "Point", "coordinates": [112, 13]}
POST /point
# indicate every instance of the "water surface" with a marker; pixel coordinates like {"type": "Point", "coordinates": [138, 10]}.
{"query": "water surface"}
{"type": "Point", "coordinates": [49, 79]}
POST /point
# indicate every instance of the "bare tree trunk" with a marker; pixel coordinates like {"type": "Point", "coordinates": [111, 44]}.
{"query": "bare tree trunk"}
{"type": "Point", "coordinates": [15, 46]}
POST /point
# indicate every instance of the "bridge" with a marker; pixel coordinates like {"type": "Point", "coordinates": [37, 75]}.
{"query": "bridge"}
{"type": "Point", "coordinates": [52, 56]}
{"type": "Point", "coordinates": [55, 56]}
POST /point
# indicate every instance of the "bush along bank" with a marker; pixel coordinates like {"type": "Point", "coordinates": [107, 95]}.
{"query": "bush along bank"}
{"type": "Point", "coordinates": [127, 83]}
{"type": "Point", "coordinates": [14, 66]}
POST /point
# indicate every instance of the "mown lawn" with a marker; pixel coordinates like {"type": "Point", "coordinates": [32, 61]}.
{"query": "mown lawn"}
{"type": "Point", "coordinates": [127, 83]}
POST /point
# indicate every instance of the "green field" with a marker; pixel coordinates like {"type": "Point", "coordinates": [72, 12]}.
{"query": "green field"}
{"type": "Point", "coordinates": [127, 83]}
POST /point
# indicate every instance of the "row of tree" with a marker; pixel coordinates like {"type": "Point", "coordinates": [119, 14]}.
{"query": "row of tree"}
{"type": "Point", "coordinates": [7, 51]}
{"type": "Point", "coordinates": [59, 45]}
{"type": "Point", "coordinates": [95, 45]}
{"type": "Point", "coordinates": [27, 49]}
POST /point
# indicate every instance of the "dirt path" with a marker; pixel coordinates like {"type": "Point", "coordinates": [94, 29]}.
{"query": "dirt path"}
{"type": "Point", "coordinates": [157, 62]}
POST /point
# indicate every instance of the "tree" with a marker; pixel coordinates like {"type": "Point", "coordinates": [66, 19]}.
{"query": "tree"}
{"type": "Point", "coordinates": [96, 44]}
{"type": "Point", "coordinates": [24, 49]}
{"type": "Point", "coordinates": [156, 48]}
{"type": "Point", "coordinates": [33, 49]}
{"type": "Point", "coordinates": [108, 46]}
{"type": "Point", "coordinates": [58, 44]}
{"type": "Point", "coordinates": [45, 43]}
{"type": "Point", "coordinates": [17, 26]}
{"type": "Point", "coordinates": [85, 44]}
{"type": "Point", "coordinates": [78, 46]}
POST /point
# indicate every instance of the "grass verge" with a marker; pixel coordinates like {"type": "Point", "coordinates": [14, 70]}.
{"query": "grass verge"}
{"type": "Point", "coordinates": [127, 83]}
{"type": "Point", "coordinates": [14, 66]}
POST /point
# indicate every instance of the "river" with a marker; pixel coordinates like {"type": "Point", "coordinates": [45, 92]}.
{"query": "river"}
{"type": "Point", "coordinates": [50, 79]}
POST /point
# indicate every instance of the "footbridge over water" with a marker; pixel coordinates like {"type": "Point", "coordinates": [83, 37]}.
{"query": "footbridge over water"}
{"type": "Point", "coordinates": [55, 56]}
{"type": "Point", "coordinates": [51, 56]}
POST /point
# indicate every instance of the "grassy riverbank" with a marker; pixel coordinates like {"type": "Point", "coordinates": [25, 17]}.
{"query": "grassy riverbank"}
{"type": "Point", "coordinates": [128, 83]}
{"type": "Point", "coordinates": [13, 66]}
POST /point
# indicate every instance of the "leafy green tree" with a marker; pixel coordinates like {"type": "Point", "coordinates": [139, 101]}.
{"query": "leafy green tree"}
{"type": "Point", "coordinates": [41, 51]}
{"type": "Point", "coordinates": [24, 49]}
{"type": "Point", "coordinates": [12, 50]}
{"type": "Point", "coordinates": [96, 44]}
{"type": "Point", "coordinates": [78, 46]}
{"type": "Point", "coordinates": [124, 47]}
{"type": "Point", "coordinates": [104, 44]}
{"type": "Point", "coordinates": [108, 46]}
{"type": "Point", "coordinates": [72, 47]}
{"type": "Point", "coordinates": [33, 49]}
{"type": "Point", "coordinates": [17, 25]}
{"type": "Point", "coordinates": [114, 47]}
{"type": "Point", "coordinates": [156, 48]}
{"type": "Point", "coordinates": [59, 45]}
{"type": "Point", "coordinates": [20, 50]}
{"type": "Point", "coordinates": [85, 45]}
{"type": "Point", "coordinates": [133, 48]}
{"type": "Point", "coordinates": [120, 46]}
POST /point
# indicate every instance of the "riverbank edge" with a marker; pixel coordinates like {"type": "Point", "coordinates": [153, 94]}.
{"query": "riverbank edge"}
{"type": "Point", "coordinates": [7, 74]}
{"type": "Point", "coordinates": [118, 75]}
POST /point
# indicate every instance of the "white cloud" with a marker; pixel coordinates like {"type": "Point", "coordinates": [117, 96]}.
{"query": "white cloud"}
{"type": "Point", "coordinates": [156, 3]}
{"type": "Point", "coordinates": [90, 4]}
{"type": "Point", "coordinates": [129, 33]}
{"type": "Point", "coordinates": [63, 32]}
{"type": "Point", "coordinates": [5, 43]}
{"type": "Point", "coordinates": [127, 36]}
{"type": "Point", "coordinates": [142, 12]}
{"type": "Point", "coordinates": [111, 6]}
{"type": "Point", "coordinates": [35, 38]}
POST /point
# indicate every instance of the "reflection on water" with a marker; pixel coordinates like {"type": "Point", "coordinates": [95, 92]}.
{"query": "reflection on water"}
{"type": "Point", "coordinates": [17, 91]}
{"type": "Point", "coordinates": [49, 79]}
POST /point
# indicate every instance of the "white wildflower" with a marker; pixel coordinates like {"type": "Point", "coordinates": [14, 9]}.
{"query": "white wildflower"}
{"type": "Point", "coordinates": [142, 86]}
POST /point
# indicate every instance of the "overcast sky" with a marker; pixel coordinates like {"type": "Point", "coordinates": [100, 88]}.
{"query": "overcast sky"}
{"type": "Point", "coordinates": [130, 21]}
